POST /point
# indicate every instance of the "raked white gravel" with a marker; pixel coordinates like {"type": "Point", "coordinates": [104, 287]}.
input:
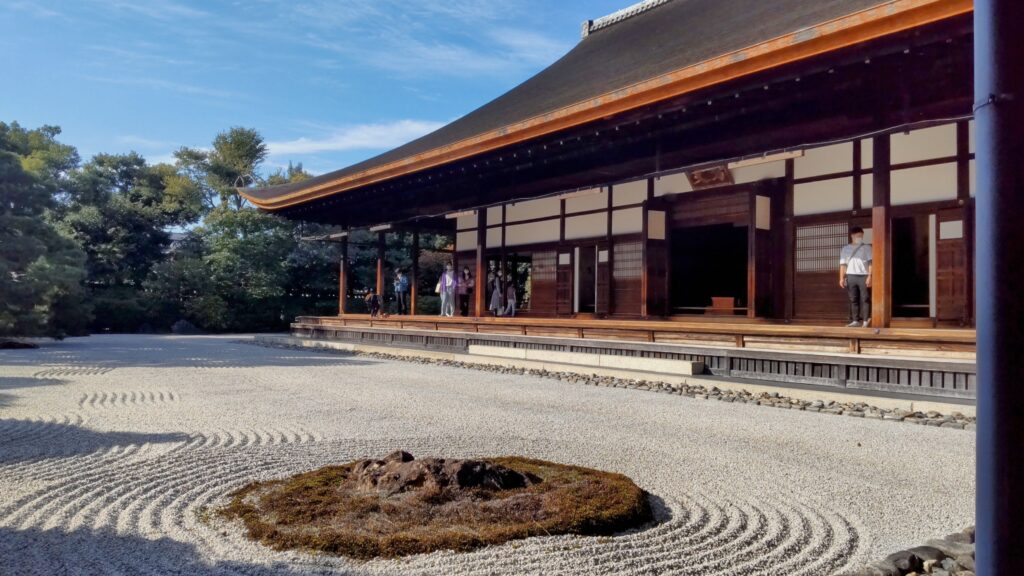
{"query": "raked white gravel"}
{"type": "Point", "coordinates": [113, 449]}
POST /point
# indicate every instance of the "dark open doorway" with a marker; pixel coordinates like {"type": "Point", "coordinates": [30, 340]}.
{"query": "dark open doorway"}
{"type": "Point", "coordinates": [709, 263]}
{"type": "Point", "coordinates": [587, 287]}
{"type": "Point", "coordinates": [910, 275]}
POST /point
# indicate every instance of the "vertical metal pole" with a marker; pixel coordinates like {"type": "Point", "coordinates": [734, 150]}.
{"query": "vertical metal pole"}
{"type": "Point", "coordinates": [999, 118]}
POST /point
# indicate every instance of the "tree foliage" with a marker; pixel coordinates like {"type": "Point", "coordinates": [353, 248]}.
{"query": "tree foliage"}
{"type": "Point", "coordinates": [41, 270]}
{"type": "Point", "coordinates": [118, 244]}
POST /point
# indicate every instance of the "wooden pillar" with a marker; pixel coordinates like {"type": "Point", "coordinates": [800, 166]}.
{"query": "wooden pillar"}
{"type": "Point", "coordinates": [645, 252]}
{"type": "Point", "coordinates": [788, 251]}
{"type": "Point", "coordinates": [480, 292]}
{"type": "Point", "coordinates": [414, 273]}
{"type": "Point", "coordinates": [752, 254]}
{"type": "Point", "coordinates": [881, 226]}
{"type": "Point", "coordinates": [506, 277]}
{"type": "Point", "coordinates": [999, 121]}
{"type": "Point", "coordinates": [381, 247]}
{"type": "Point", "coordinates": [343, 278]}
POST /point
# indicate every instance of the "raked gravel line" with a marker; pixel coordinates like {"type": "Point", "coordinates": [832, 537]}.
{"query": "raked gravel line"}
{"type": "Point", "coordinates": [114, 449]}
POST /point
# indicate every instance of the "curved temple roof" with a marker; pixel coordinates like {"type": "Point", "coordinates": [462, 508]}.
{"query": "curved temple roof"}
{"type": "Point", "coordinates": [658, 50]}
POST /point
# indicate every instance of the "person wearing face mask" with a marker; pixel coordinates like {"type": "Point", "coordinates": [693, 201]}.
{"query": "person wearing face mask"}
{"type": "Point", "coordinates": [855, 277]}
{"type": "Point", "coordinates": [447, 286]}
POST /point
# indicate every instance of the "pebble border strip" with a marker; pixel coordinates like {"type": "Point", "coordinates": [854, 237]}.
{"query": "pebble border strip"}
{"type": "Point", "coordinates": [772, 399]}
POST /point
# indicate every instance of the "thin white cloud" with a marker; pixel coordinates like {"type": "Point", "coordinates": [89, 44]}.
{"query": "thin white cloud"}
{"type": "Point", "coordinates": [33, 8]}
{"type": "Point", "coordinates": [160, 84]}
{"type": "Point", "coordinates": [379, 136]}
{"type": "Point", "coordinates": [143, 143]}
{"type": "Point", "coordinates": [507, 50]}
{"type": "Point", "coordinates": [163, 10]}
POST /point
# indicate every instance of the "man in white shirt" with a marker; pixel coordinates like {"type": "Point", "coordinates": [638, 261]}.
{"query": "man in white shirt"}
{"type": "Point", "coordinates": [855, 277]}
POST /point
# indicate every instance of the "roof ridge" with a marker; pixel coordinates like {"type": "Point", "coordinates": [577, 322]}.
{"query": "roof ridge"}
{"type": "Point", "coordinates": [590, 26]}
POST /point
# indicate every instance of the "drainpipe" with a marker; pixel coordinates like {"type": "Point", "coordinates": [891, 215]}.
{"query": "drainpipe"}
{"type": "Point", "coordinates": [999, 122]}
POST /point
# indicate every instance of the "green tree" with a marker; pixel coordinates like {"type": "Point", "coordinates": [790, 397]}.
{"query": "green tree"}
{"type": "Point", "coordinates": [120, 209]}
{"type": "Point", "coordinates": [233, 162]}
{"type": "Point", "coordinates": [41, 271]}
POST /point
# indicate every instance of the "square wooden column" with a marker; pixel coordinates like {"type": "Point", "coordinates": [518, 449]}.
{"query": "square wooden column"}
{"type": "Point", "coordinates": [645, 253]}
{"type": "Point", "coordinates": [480, 276]}
{"type": "Point", "coordinates": [414, 273]}
{"type": "Point", "coordinates": [881, 230]}
{"type": "Point", "coordinates": [381, 247]}
{"type": "Point", "coordinates": [343, 278]}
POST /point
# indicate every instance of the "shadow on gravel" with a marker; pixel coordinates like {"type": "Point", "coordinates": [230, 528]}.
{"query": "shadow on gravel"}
{"type": "Point", "coordinates": [24, 440]}
{"type": "Point", "coordinates": [15, 382]}
{"type": "Point", "coordinates": [169, 352]}
{"type": "Point", "coordinates": [35, 552]}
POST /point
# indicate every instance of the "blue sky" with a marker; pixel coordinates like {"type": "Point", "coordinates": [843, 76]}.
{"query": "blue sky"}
{"type": "Point", "coordinates": [327, 83]}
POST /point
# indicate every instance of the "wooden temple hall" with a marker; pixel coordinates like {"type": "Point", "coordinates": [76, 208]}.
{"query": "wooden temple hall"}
{"type": "Point", "coordinates": [687, 175]}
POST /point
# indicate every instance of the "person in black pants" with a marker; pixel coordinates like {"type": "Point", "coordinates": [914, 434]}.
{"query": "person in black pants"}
{"type": "Point", "coordinates": [855, 277]}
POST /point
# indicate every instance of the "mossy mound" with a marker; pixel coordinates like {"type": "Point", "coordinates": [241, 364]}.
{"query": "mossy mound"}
{"type": "Point", "coordinates": [399, 506]}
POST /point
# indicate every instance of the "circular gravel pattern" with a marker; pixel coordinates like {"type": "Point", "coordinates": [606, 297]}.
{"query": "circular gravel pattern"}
{"type": "Point", "coordinates": [113, 457]}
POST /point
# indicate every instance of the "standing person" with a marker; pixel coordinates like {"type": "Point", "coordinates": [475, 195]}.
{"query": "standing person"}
{"type": "Point", "coordinates": [496, 306]}
{"type": "Point", "coordinates": [465, 290]}
{"type": "Point", "coordinates": [855, 277]}
{"type": "Point", "coordinates": [510, 297]}
{"type": "Point", "coordinates": [448, 284]}
{"type": "Point", "coordinates": [402, 291]}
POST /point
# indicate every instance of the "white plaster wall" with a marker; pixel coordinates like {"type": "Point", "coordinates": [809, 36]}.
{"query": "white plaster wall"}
{"type": "Point", "coordinates": [587, 201]}
{"type": "Point", "coordinates": [924, 144]}
{"type": "Point", "coordinates": [867, 153]}
{"type": "Point", "coordinates": [655, 224]}
{"type": "Point", "coordinates": [494, 237]}
{"type": "Point", "coordinates": [763, 213]}
{"type": "Point", "coordinates": [586, 226]}
{"type": "Point", "coordinates": [923, 184]}
{"type": "Point", "coordinates": [867, 190]}
{"type": "Point", "coordinates": [633, 192]}
{"type": "Point", "coordinates": [493, 215]}
{"type": "Point", "coordinates": [531, 209]}
{"type": "Point", "coordinates": [627, 221]}
{"type": "Point", "coordinates": [951, 230]}
{"type": "Point", "coordinates": [824, 160]}
{"type": "Point", "coordinates": [463, 222]}
{"type": "Point", "coordinates": [532, 233]}
{"type": "Point", "coordinates": [833, 195]}
{"type": "Point", "coordinates": [672, 184]}
{"type": "Point", "coordinates": [465, 240]}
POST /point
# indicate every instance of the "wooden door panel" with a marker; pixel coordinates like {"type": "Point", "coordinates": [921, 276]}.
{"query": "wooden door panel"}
{"type": "Point", "coordinates": [564, 284]}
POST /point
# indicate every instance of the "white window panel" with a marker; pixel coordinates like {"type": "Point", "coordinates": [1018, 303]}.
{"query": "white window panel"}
{"type": "Point", "coordinates": [832, 195]}
{"type": "Point", "coordinates": [923, 184]}
{"type": "Point", "coordinates": [824, 160]}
